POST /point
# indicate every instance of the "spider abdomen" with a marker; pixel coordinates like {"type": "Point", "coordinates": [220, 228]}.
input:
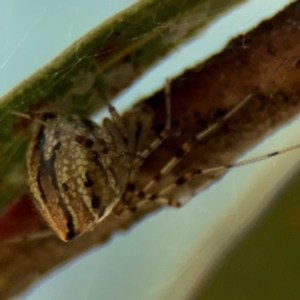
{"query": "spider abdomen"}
{"type": "Point", "coordinates": [75, 173]}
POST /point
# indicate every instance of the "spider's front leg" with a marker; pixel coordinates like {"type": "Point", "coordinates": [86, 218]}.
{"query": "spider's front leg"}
{"type": "Point", "coordinates": [169, 192]}
{"type": "Point", "coordinates": [141, 140]}
{"type": "Point", "coordinates": [140, 143]}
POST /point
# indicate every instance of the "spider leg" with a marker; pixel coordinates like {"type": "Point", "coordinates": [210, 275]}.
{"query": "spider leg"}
{"type": "Point", "coordinates": [122, 134]}
{"type": "Point", "coordinates": [129, 133]}
{"type": "Point", "coordinates": [189, 144]}
{"type": "Point", "coordinates": [112, 128]}
{"type": "Point", "coordinates": [135, 198]}
{"type": "Point", "coordinates": [118, 120]}
{"type": "Point", "coordinates": [163, 135]}
{"type": "Point", "coordinates": [139, 129]}
{"type": "Point", "coordinates": [188, 176]}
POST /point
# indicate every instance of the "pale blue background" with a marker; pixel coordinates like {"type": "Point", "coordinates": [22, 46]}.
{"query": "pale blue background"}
{"type": "Point", "coordinates": [145, 262]}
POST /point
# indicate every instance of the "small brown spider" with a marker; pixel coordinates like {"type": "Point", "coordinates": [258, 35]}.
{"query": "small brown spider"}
{"type": "Point", "coordinates": [80, 172]}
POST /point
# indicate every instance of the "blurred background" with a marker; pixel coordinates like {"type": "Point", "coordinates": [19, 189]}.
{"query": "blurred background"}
{"type": "Point", "coordinates": [170, 254]}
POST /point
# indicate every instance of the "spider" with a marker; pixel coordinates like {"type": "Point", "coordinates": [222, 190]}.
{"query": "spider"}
{"type": "Point", "coordinates": [80, 172]}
